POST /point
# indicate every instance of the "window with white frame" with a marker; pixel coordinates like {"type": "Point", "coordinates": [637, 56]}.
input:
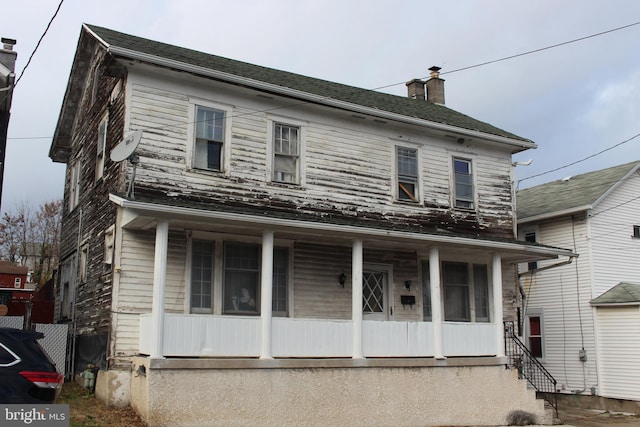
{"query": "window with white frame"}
{"type": "Point", "coordinates": [534, 335]}
{"type": "Point", "coordinates": [202, 268]}
{"type": "Point", "coordinates": [74, 182]}
{"type": "Point", "coordinates": [407, 173]}
{"type": "Point", "coordinates": [466, 292]}
{"type": "Point", "coordinates": [426, 292]}
{"type": "Point", "coordinates": [209, 138]}
{"type": "Point", "coordinates": [241, 275]}
{"type": "Point", "coordinates": [101, 147]}
{"type": "Point", "coordinates": [463, 183]}
{"type": "Point", "coordinates": [17, 282]}
{"type": "Point", "coordinates": [286, 153]}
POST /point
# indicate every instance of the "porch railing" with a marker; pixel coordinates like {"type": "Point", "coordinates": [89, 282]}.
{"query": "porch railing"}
{"type": "Point", "coordinates": [519, 357]}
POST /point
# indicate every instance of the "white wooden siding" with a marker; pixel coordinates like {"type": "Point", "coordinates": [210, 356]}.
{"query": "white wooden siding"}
{"type": "Point", "coordinates": [619, 343]}
{"type": "Point", "coordinates": [615, 251]}
{"type": "Point", "coordinates": [554, 294]}
{"type": "Point", "coordinates": [349, 164]}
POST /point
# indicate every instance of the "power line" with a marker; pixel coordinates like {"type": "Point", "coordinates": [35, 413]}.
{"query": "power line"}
{"type": "Point", "coordinates": [38, 44]}
{"type": "Point", "coordinates": [542, 48]}
{"type": "Point", "coordinates": [579, 161]}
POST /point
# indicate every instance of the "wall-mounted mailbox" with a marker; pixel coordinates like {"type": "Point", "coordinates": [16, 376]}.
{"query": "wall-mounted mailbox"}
{"type": "Point", "coordinates": [408, 299]}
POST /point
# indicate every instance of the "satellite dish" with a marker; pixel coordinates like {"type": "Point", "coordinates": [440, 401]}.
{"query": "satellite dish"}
{"type": "Point", "coordinates": [126, 147]}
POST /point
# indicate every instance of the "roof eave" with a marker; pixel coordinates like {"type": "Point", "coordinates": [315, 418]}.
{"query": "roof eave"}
{"type": "Point", "coordinates": [517, 144]}
{"type": "Point", "coordinates": [167, 211]}
{"type": "Point", "coordinates": [549, 215]}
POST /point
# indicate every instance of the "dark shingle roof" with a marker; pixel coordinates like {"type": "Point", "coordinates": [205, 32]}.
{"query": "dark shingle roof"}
{"type": "Point", "coordinates": [622, 293]}
{"type": "Point", "coordinates": [391, 103]}
{"type": "Point", "coordinates": [576, 192]}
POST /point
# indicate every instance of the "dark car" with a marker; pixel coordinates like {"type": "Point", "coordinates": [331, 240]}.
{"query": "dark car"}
{"type": "Point", "coordinates": [27, 374]}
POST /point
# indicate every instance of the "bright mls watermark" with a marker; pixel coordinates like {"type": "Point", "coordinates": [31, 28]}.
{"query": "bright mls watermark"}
{"type": "Point", "coordinates": [34, 415]}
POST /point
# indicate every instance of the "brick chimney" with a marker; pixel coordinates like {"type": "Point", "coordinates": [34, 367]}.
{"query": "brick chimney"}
{"type": "Point", "coordinates": [435, 86]}
{"type": "Point", "coordinates": [8, 55]}
{"type": "Point", "coordinates": [415, 89]}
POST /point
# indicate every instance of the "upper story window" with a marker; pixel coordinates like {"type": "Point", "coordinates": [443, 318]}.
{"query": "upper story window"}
{"type": "Point", "coordinates": [209, 138]}
{"type": "Point", "coordinates": [463, 178]}
{"type": "Point", "coordinates": [101, 149]}
{"type": "Point", "coordinates": [17, 282]}
{"type": "Point", "coordinates": [74, 182]}
{"type": "Point", "coordinates": [286, 153]}
{"type": "Point", "coordinates": [407, 173]}
{"type": "Point", "coordinates": [531, 236]}
{"type": "Point", "coordinates": [636, 231]}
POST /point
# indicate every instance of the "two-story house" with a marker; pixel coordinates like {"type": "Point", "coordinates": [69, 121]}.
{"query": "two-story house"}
{"type": "Point", "coordinates": [281, 249]}
{"type": "Point", "coordinates": [581, 318]}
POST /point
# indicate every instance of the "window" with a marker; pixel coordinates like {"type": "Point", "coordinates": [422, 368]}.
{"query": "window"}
{"type": "Point", "coordinates": [280, 281]}
{"type": "Point", "coordinates": [456, 291]}
{"type": "Point", "coordinates": [209, 137]}
{"type": "Point", "coordinates": [102, 144]}
{"type": "Point", "coordinates": [241, 278]}
{"type": "Point", "coordinates": [463, 179]}
{"type": "Point", "coordinates": [17, 282]}
{"type": "Point", "coordinates": [286, 153]}
{"type": "Point", "coordinates": [74, 183]}
{"type": "Point", "coordinates": [84, 263]}
{"type": "Point", "coordinates": [466, 292]}
{"type": "Point", "coordinates": [481, 292]}
{"type": "Point", "coordinates": [407, 171]}
{"type": "Point", "coordinates": [67, 278]}
{"type": "Point", "coordinates": [530, 236]}
{"type": "Point", "coordinates": [535, 336]}
{"type": "Point", "coordinates": [426, 292]}
{"type": "Point", "coordinates": [636, 231]}
{"type": "Point", "coordinates": [202, 255]}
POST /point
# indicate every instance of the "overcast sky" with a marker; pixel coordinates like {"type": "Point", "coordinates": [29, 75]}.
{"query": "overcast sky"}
{"type": "Point", "coordinates": [573, 101]}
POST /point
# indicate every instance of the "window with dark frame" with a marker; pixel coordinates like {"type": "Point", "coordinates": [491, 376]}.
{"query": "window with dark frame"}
{"type": "Point", "coordinates": [241, 284]}
{"type": "Point", "coordinates": [636, 231]}
{"type": "Point", "coordinates": [463, 177]}
{"type": "Point", "coordinates": [286, 153]}
{"type": "Point", "coordinates": [209, 137]}
{"type": "Point", "coordinates": [426, 292]}
{"type": "Point", "coordinates": [407, 173]}
{"type": "Point", "coordinates": [455, 277]}
{"type": "Point", "coordinates": [280, 282]}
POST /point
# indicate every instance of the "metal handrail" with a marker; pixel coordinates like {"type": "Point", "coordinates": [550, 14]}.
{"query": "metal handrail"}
{"type": "Point", "coordinates": [519, 357]}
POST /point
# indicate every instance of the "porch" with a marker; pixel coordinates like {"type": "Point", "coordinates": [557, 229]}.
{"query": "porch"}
{"type": "Point", "coordinates": [192, 335]}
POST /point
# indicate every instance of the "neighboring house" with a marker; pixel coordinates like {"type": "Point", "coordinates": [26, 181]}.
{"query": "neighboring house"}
{"type": "Point", "coordinates": [13, 280]}
{"type": "Point", "coordinates": [577, 319]}
{"type": "Point", "coordinates": [21, 296]}
{"type": "Point", "coordinates": [292, 251]}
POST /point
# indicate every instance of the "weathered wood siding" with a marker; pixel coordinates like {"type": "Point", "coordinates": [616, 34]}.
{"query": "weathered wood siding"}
{"type": "Point", "coordinates": [348, 163]}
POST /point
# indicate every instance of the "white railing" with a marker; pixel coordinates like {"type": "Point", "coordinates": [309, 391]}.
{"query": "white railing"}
{"type": "Point", "coordinates": [196, 335]}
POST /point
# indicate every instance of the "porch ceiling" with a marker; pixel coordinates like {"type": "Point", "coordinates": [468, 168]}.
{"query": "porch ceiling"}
{"type": "Point", "coordinates": [144, 216]}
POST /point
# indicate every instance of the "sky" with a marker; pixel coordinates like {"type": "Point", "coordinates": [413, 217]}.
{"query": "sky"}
{"type": "Point", "coordinates": [573, 101]}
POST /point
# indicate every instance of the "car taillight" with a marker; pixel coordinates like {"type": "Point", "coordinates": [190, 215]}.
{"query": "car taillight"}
{"type": "Point", "coordinates": [44, 379]}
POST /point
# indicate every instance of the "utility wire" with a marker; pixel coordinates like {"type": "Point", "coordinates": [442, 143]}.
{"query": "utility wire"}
{"type": "Point", "coordinates": [542, 48]}
{"type": "Point", "coordinates": [38, 44]}
{"type": "Point", "coordinates": [581, 160]}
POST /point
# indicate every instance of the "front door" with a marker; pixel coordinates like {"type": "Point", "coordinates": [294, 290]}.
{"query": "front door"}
{"type": "Point", "coordinates": [375, 295]}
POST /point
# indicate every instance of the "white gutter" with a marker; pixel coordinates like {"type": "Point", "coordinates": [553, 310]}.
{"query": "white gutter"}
{"type": "Point", "coordinates": [231, 78]}
{"type": "Point", "coordinates": [173, 211]}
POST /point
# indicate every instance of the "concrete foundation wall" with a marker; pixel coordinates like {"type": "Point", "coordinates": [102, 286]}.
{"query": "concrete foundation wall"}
{"type": "Point", "coordinates": [114, 387]}
{"type": "Point", "coordinates": [331, 396]}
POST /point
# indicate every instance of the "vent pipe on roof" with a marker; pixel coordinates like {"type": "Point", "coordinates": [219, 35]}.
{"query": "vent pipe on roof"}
{"type": "Point", "coordinates": [435, 86]}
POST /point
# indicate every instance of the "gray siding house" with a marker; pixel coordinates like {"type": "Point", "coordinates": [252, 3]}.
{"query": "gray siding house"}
{"type": "Point", "coordinates": [284, 250]}
{"type": "Point", "coordinates": [581, 318]}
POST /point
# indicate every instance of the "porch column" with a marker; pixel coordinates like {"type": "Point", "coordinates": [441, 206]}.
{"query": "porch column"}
{"type": "Point", "coordinates": [497, 303]}
{"type": "Point", "coordinates": [436, 302]}
{"type": "Point", "coordinates": [356, 299]}
{"type": "Point", "coordinates": [266, 292]}
{"type": "Point", "coordinates": [159, 285]}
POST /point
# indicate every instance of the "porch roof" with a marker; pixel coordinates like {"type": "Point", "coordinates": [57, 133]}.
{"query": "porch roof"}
{"type": "Point", "coordinates": [144, 214]}
{"type": "Point", "coordinates": [624, 293]}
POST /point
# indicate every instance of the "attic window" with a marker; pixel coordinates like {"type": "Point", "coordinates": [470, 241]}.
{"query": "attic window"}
{"type": "Point", "coordinates": [636, 231]}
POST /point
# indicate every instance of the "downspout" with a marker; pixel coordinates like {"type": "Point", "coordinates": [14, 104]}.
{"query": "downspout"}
{"type": "Point", "coordinates": [75, 297]}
